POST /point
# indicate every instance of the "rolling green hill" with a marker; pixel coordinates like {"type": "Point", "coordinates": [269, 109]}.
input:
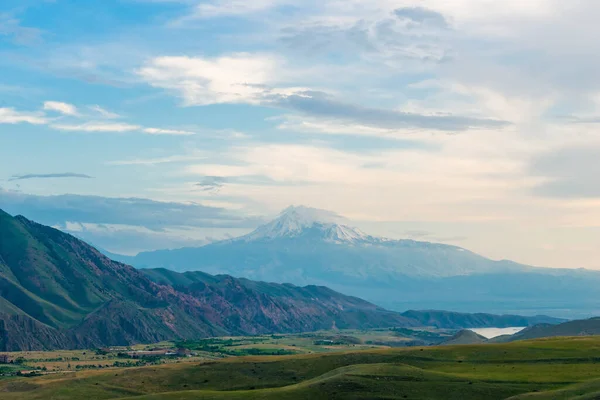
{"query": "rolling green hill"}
{"type": "Point", "coordinates": [561, 368]}
{"type": "Point", "coordinates": [465, 337]}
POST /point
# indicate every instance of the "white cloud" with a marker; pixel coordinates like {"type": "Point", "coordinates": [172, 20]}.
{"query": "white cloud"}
{"type": "Point", "coordinates": [97, 127]}
{"type": "Point", "coordinates": [236, 78]}
{"type": "Point", "coordinates": [118, 127]}
{"type": "Point", "coordinates": [158, 131]}
{"type": "Point", "coordinates": [62, 108]}
{"type": "Point", "coordinates": [9, 115]}
{"type": "Point", "coordinates": [296, 123]}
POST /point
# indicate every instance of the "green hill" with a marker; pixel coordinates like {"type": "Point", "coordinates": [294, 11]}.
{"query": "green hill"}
{"type": "Point", "coordinates": [465, 337]}
{"type": "Point", "coordinates": [562, 368]}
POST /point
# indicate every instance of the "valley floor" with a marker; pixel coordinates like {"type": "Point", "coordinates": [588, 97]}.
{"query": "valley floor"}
{"type": "Point", "coordinates": [560, 368]}
{"type": "Point", "coordinates": [44, 362]}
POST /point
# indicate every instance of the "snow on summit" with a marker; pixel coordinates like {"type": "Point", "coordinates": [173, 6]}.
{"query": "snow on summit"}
{"type": "Point", "coordinates": [298, 221]}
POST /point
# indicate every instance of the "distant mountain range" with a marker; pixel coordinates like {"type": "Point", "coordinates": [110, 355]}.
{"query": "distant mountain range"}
{"type": "Point", "coordinates": [308, 246]}
{"type": "Point", "coordinates": [454, 320]}
{"type": "Point", "coordinates": [58, 292]}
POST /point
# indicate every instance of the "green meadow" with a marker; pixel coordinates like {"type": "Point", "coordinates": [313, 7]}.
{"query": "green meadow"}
{"type": "Point", "coordinates": [560, 368]}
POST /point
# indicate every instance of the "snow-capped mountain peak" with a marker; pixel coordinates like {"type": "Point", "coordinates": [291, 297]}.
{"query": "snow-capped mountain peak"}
{"type": "Point", "coordinates": [296, 221]}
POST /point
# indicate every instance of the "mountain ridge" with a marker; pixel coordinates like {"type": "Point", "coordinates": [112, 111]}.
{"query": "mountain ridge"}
{"type": "Point", "coordinates": [586, 327]}
{"type": "Point", "coordinates": [54, 285]}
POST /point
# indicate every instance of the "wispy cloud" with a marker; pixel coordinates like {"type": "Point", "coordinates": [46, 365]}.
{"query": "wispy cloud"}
{"type": "Point", "coordinates": [104, 113]}
{"type": "Point", "coordinates": [321, 105]}
{"type": "Point", "coordinates": [49, 176]}
{"type": "Point", "coordinates": [62, 108]}
{"type": "Point", "coordinates": [97, 127]}
{"type": "Point", "coordinates": [12, 28]}
{"type": "Point", "coordinates": [107, 127]}
{"type": "Point", "coordinates": [221, 8]}
{"type": "Point", "coordinates": [158, 131]}
{"type": "Point", "coordinates": [155, 215]}
{"type": "Point", "coordinates": [211, 183]}
{"type": "Point", "coordinates": [11, 116]}
{"type": "Point", "coordinates": [159, 160]}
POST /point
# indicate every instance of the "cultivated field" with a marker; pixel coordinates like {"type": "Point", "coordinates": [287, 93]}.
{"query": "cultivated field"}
{"type": "Point", "coordinates": [211, 349]}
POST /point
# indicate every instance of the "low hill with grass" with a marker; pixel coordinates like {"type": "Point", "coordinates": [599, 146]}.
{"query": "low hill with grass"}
{"type": "Point", "coordinates": [465, 337]}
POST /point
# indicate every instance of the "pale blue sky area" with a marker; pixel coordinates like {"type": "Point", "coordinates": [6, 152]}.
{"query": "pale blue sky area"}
{"type": "Point", "coordinates": [145, 124]}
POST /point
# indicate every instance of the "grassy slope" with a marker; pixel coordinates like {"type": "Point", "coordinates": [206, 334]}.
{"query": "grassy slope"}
{"type": "Point", "coordinates": [459, 372]}
{"type": "Point", "coordinates": [583, 391]}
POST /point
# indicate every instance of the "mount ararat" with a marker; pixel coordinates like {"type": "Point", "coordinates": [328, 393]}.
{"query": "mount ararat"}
{"type": "Point", "coordinates": [309, 246]}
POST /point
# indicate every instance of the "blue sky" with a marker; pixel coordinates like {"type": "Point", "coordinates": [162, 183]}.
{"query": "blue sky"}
{"type": "Point", "coordinates": [144, 124]}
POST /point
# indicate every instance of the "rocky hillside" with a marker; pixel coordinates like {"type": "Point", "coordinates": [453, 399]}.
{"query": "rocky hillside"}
{"type": "Point", "coordinates": [257, 307]}
{"type": "Point", "coordinates": [58, 292]}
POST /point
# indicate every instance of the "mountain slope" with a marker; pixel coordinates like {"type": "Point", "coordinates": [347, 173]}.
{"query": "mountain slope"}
{"type": "Point", "coordinates": [587, 327]}
{"type": "Point", "coordinates": [52, 284]}
{"type": "Point", "coordinates": [58, 292]}
{"type": "Point", "coordinates": [257, 307]}
{"type": "Point", "coordinates": [313, 247]}
{"type": "Point", "coordinates": [454, 320]}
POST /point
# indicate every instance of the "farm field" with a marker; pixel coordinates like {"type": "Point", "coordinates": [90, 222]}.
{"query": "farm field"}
{"type": "Point", "coordinates": [214, 348]}
{"type": "Point", "coordinates": [559, 368]}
